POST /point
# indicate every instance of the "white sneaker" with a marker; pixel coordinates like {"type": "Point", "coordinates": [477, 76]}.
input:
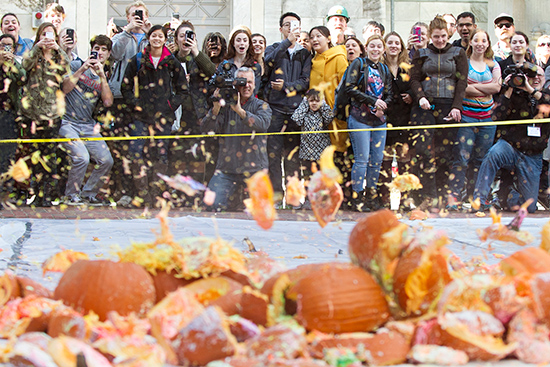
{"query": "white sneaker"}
{"type": "Point", "coordinates": [125, 201]}
{"type": "Point", "coordinates": [74, 200]}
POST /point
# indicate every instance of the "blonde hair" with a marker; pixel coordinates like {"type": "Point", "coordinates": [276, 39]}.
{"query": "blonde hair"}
{"type": "Point", "coordinates": [136, 4]}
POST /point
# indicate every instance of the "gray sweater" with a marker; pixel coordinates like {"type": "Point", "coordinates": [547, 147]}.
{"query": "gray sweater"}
{"type": "Point", "coordinates": [240, 154]}
{"type": "Point", "coordinates": [125, 46]}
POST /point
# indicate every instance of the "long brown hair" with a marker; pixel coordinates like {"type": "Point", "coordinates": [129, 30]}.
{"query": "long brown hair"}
{"type": "Point", "coordinates": [231, 51]}
{"type": "Point", "coordinates": [41, 28]}
{"type": "Point", "coordinates": [489, 54]}
{"type": "Point", "coordinates": [403, 56]}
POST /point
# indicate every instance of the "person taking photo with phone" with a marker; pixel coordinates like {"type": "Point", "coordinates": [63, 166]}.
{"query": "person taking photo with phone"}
{"type": "Point", "coordinates": [12, 75]}
{"type": "Point", "coordinates": [83, 89]}
{"type": "Point", "coordinates": [11, 25]}
{"type": "Point", "coordinates": [288, 66]}
{"type": "Point", "coordinates": [42, 106]}
{"type": "Point", "coordinates": [126, 45]}
{"type": "Point", "coordinates": [198, 68]}
{"type": "Point", "coordinates": [154, 97]}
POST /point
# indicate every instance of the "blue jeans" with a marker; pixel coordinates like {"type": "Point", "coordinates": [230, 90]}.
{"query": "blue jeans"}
{"type": "Point", "coordinates": [368, 150]}
{"type": "Point", "coordinates": [80, 153]}
{"type": "Point", "coordinates": [527, 170]}
{"type": "Point", "coordinates": [473, 143]}
{"type": "Point", "coordinates": [227, 187]}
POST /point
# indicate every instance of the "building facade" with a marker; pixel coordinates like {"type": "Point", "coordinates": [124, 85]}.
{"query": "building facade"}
{"type": "Point", "coordinates": [89, 17]}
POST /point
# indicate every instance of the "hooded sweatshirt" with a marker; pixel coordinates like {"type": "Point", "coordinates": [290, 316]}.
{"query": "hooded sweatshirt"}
{"type": "Point", "coordinates": [327, 69]}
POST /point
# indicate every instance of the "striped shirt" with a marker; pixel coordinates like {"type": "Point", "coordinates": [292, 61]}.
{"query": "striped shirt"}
{"type": "Point", "coordinates": [479, 107]}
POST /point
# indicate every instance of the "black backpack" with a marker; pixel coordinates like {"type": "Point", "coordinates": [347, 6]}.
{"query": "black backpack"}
{"type": "Point", "coordinates": [342, 101]}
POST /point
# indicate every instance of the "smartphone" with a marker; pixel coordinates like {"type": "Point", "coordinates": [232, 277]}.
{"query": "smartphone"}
{"type": "Point", "coordinates": [189, 35]}
{"type": "Point", "coordinates": [170, 38]}
{"type": "Point", "coordinates": [176, 16]}
{"type": "Point", "coordinates": [418, 33]}
{"type": "Point", "coordinates": [139, 13]}
{"type": "Point", "coordinates": [50, 35]}
{"type": "Point", "coordinates": [7, 48]}
{"type": "Point", "coordinates": [294, 24]}
{"type": "Point", "coordinates": [70, 34]}
{"type": "Point", "coordinates": [93, 55]}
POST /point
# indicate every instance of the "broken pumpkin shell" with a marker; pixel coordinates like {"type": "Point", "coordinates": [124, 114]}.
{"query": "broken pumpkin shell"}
{"type": "Point", "coordinates": [102, 286]}
{"type": "Point", "coordinates": [254, 306]}
{"type": "Point", "coordinates": [174, 312]}
{"type": "Point", "coordinates": [540, 290]}
{"type": "Point", "coordinates": [531, 336]}
{"type": "Point", "coordinates": [504, 302]}
{"type": "Point", "coordinates": [466, 293]}
{"type": "Point", "coordinates": [339, 298]}
{"type": "Point", "coordinates": [204, 339]}
{"type": "Point", "coordinates": [478, 334]}
{"type": "Point", "coordinates": [531, 260]}
{"type": "Point", "coordinates": [380, 349]}
{"type": "Point", "coordinates": [438, 355]}
{"type": "Point", "coordinates": [420, 277]}
{"type": "Point", "coordinates": [375, 244]}
{"type": "Point", "coordinates": [66, 321]}
{"type": "Point", "coordinates": [167, 282]}
{"type": "Point", "coordinates": [65, 350]}
{"type": "Point", "coordinates": [276, 342]}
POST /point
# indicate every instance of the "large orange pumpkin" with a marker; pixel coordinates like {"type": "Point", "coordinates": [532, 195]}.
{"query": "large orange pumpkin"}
{"type": "Point", "coordinates": [339, 298]}
{"type": "Point", "coordinates": [102, 286]}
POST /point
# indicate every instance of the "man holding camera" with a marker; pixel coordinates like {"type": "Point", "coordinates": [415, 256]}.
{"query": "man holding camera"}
{"type": "Point", "coordinates": [83, 88]}
{"type": "Point", "coordinates": [240, 156]}
{"type": "Point", "coordinates": [519, 147]}
{"type": "Point", "coordinates": [288, 66]}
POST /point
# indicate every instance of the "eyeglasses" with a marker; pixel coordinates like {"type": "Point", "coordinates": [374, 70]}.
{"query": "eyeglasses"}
{"type": "Point", "coordinates": [459, 25]}
{"type": "Point", "coordinates": [507, 25]}
{"type": "Point", "coordinates": [544, 44]}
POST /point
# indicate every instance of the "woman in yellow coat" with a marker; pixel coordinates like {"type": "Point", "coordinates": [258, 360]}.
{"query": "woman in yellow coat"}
{"type": "Point", "coordinates": [327, 69]}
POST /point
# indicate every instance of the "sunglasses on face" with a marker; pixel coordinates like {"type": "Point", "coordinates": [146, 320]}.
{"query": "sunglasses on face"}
{"type": "Point", "coordinates": [507, 25]}
{"type": "Point", "coordinates": [544, 44]}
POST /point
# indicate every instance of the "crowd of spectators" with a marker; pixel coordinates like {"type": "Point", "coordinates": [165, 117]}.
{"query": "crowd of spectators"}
{"type": "Point", "coordinates": [146, 80]}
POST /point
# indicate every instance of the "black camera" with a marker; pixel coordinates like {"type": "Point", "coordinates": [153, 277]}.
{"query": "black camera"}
{"type": "Point", "coordinates": [519, 73]}
{"type": "Point", "coordinates": [228, 88]}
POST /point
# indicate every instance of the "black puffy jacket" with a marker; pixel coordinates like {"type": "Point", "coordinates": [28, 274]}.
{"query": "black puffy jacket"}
{"type": "Point", "coordinates": [160, 91]}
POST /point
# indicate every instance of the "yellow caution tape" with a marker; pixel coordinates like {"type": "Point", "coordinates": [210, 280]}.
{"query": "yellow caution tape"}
{"type": "Point", "coordinates": [393, 128]}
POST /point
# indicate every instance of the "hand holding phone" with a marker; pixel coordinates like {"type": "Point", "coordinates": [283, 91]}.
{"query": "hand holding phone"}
{"type": "Point", "coordinates": [93, 55]}
{"type": "Point", "coordinates": [418, 33]}
{"type": "Point", "coordinates": [139, 13]}
{"type": "Point", "coordinates": [70, 34]}
{"type": "Point", "coordinates": [294, 24]}
{"type": "Point", "coordinates": [50, 35]}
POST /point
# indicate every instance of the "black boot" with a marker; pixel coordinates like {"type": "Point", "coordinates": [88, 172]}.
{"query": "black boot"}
{"type": "Point", "coordinates": [373, 201]}
{"type": "Point", "coordinates": [357, 201]}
